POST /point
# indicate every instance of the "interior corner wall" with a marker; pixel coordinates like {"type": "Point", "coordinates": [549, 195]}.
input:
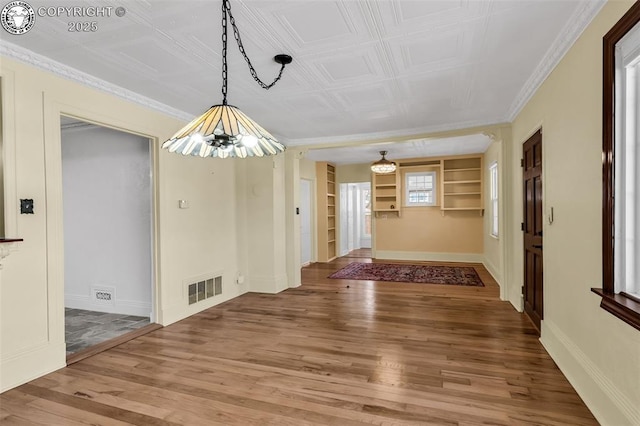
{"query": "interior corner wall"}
{"type": "Point", "coordinates": [266, 224]}
{"type": "Point", "coordinates": [189, 243]}
{"type": "Point", "coordinates": [292, 195]}
{"type": "Point", "coordinates": [106, 177]}
{"type": "Point", "coordinates": [599, 353]}
{"type": "Point", "coordinates": [492, 245]}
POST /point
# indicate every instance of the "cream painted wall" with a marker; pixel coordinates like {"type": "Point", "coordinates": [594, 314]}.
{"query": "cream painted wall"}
{"type": "Point", "coordinates": [599, 353]}
{"type": "Point", "coordinates": [307, 169]}
{"type": "Point", "coordinates": [352, 173]}
{"type": "Point", "coordinates": [189, 242]}
{"type": "Point", "coordinates": [492, 245]}
{"type": "Point", "coordinates": [2, 233]}
{"type": "Point", "coordinates": [292, 202]}
{"type": "Point", "coordinates": [424, 233]}
{"type": "Point", "coordinates": [266, 224]}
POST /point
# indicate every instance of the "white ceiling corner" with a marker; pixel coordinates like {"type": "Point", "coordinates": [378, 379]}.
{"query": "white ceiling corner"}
{"type": "Point", "coordinates": [362, 70]}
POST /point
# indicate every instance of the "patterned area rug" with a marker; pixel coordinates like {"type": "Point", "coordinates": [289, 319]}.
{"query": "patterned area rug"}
{"type": "Point", "coordinates": [452, 275]}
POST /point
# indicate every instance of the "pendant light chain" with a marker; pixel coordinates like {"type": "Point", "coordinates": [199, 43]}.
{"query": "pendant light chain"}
{"type": "Point", "coordinates": [226, 9]}
{"type": "Point", "coordinates": [224, 52]}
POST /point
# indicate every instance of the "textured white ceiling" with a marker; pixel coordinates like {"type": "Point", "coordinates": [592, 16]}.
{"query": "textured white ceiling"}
{"type": "Point", "coordinates": [368, 67]}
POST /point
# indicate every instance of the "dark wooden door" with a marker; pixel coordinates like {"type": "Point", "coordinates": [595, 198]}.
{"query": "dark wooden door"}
{"type": "Point", "coordinates": [532, 181]}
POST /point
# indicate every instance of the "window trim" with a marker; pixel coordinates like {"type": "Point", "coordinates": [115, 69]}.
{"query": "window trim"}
{"type": "Point", "coordinates": [623, 307]}
{"type": "Point", "coordinates": [494, 209]}
{"type": "Point", "coordinates": [434, 200]}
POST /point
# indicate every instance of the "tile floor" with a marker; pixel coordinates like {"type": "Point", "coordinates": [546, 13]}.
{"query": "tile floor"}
{"type": "Point", "coordinates": [88, 328]}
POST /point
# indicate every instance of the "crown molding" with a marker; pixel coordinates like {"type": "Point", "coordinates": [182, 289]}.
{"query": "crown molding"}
{"type": "Point", "coordinates": [579, 21]}
{"type": "Point", "coordinates": [26, 56]}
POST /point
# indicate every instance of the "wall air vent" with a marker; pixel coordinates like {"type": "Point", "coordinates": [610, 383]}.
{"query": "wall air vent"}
{"type": "Point", "coordinates": [103, 296]}
{"type": "Point", "coordinates": [204, 289]}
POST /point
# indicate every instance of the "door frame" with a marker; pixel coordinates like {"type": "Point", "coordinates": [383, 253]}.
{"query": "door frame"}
{"type": "Point", "coordinates": [53, 109]}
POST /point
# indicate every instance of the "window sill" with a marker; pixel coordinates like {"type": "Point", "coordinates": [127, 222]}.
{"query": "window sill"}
{"type": "Point", "coordinates": [624, 308]}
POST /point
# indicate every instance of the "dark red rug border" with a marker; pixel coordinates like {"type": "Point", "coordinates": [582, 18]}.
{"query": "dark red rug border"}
{"type": "Point", "coordinates": [410, 273]}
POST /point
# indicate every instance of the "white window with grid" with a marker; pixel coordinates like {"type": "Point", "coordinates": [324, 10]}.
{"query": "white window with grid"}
{"type": "Point", "coordinates": [493, 197]}
{"type": "Point", "coordinates": [420, 189]}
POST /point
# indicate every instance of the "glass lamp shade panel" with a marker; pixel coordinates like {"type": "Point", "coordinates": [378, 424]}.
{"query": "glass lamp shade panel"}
{"type": "Point", "coordinates": [383, 166]}
{"type": "Point", "coordinates": [225, 132]}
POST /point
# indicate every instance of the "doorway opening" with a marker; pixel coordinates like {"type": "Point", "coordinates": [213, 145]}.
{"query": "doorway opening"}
{"type": "Point", "coordinates": [108, 233]}
{"type": "Point", "coordinates": [355, 219]}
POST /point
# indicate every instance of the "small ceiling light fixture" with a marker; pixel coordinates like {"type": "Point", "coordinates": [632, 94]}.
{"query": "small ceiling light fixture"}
{"type": "Point", "coordinates": [224, 131]}
{"type": "Point", "coordinates": [383, 166]}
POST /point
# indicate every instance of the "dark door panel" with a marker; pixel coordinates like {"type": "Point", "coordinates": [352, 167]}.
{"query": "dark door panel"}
{"type": "Point", "coordinates": [532, 186]}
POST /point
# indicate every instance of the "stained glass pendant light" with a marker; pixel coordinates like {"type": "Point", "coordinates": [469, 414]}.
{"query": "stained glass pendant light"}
{"type": "Point", "coordinates": [223, 130]}
{"type": "Point", "coordinates": [383, 166]}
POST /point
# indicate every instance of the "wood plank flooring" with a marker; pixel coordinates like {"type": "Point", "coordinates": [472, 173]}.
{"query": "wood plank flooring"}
{"type": "Point", "coordinates": [331, 352]}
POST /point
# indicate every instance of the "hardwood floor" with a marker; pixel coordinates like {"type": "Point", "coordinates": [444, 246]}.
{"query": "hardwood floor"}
{"type": "Point", "coordinates": [361, 252]}
{"type": "Point", "coordinates": [331, 352]}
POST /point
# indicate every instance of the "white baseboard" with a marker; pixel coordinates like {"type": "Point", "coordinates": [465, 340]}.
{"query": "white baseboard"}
{"type": "Point", "coordinates": [427, 256]}
{"type": "Point", "coordinates": [608, 404]}
{"type": "Point", "coordinates": [30, 364]}
{"type": "Point", "coordinates": [182, 310]}
{"type": "Point", "coordinates": [268, 284]}
{"type": "Point", "coordinates": [124, 307]}
{"type": "Point", "coordinates": [497, 276]}
{"type": "Point", "coordinates": [490, 267]}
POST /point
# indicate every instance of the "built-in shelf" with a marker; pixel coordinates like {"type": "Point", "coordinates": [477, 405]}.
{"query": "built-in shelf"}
{"type": "Point", "coordinates": [456, 182]}
{"type": "Point", "coordinates": [463, 170]}
{"type": "Point", "coordinates": [461, 187]}
{"type": "Point", "coordinates": [462, 193]}
{"type": "Point", "coordinates": [326, 209]}
{"type": "Point", "coordinates": [386, 193]}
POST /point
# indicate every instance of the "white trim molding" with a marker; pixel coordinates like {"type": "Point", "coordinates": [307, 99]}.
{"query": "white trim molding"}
{"type": "Point", "coordinates": [31, 363]}
{"type": "Point", "coordinates": [26, 56]}
{"type": "Point", "coordinates": [582, 17]}
{"type": "Point", "coordinates": [124, 307]}
{"type": "Point", "coordinates": [268, 284]}
{"type": "Point", "coordinates": [608, 404]}
{"type": "Point", "coordinates": [495, 273]}
{"type": "Point", "coordinates": [429, 256]}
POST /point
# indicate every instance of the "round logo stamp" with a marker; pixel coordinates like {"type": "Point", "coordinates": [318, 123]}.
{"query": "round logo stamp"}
{"type": "Point", "coordinates": [17, 17]}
